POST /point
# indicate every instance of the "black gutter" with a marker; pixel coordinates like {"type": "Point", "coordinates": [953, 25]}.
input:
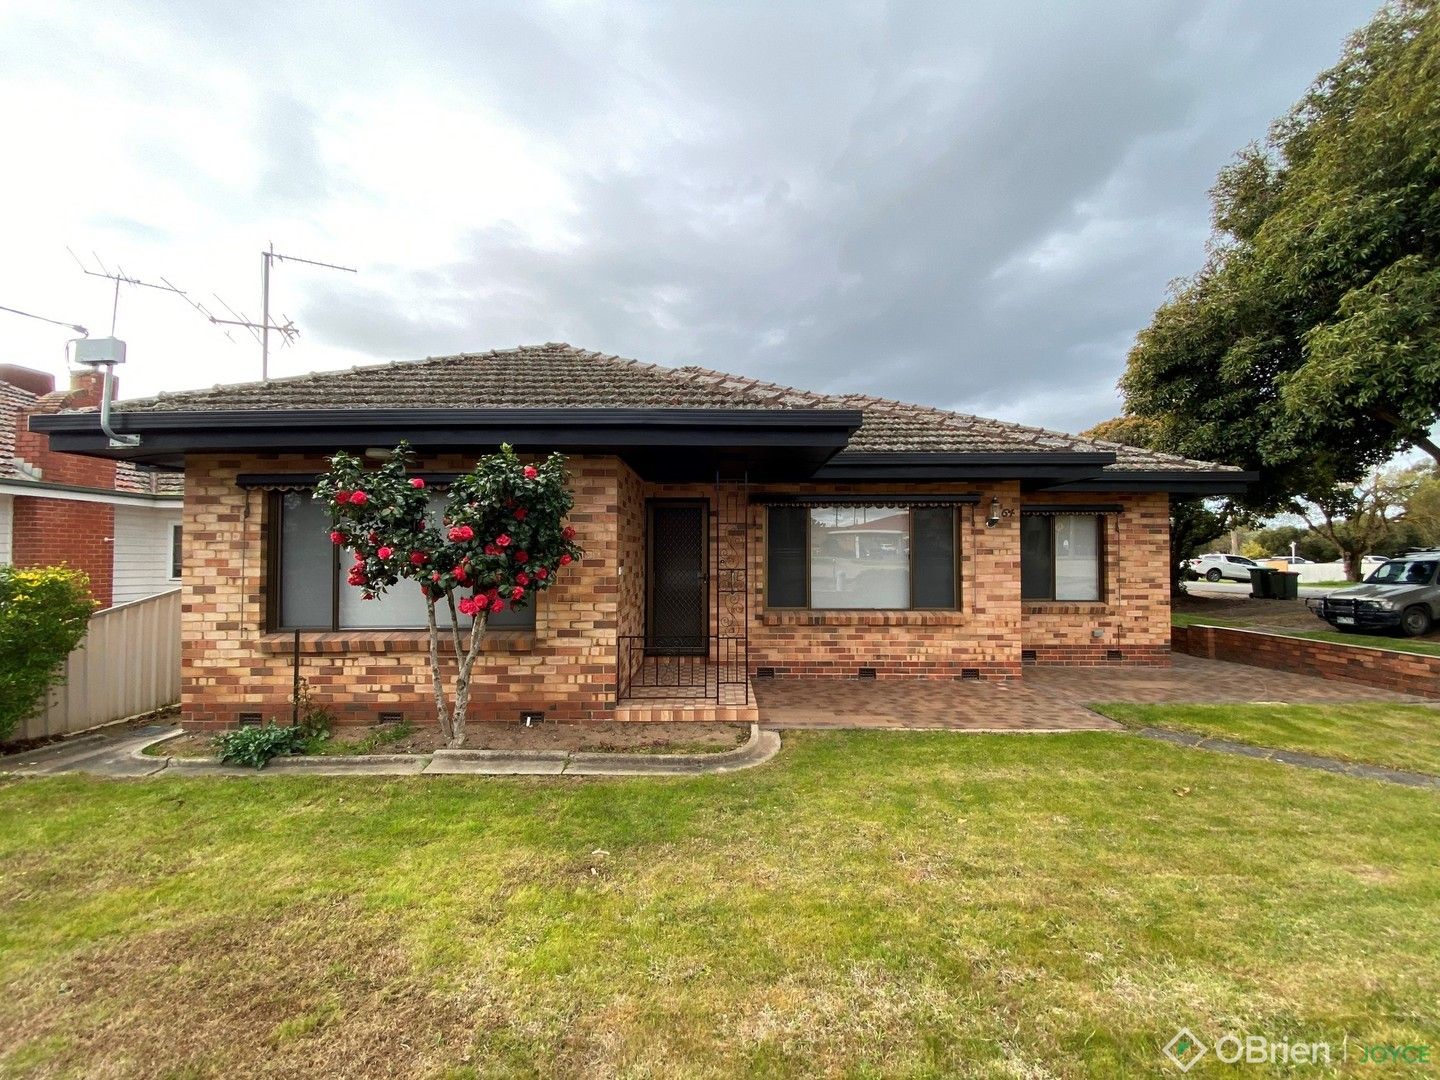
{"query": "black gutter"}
{"type": "Point", "coordinates": [329, 419]}
{"type": "Point", "coordinates": [1175, 481]}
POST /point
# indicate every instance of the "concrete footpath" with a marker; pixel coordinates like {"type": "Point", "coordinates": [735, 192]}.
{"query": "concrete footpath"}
{"type": "Point", "coordinates": [121, 754]}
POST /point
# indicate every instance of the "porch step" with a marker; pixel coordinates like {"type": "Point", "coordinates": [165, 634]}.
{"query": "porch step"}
{"type": "Point", "coordinates": [679, 710]}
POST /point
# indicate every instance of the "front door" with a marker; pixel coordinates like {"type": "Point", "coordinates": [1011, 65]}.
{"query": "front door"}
{"type": "Point", "coordinates": [676, 608]}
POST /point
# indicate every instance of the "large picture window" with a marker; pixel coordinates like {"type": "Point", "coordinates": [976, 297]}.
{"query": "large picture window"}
{"type": "Point", "coordinates": [862, 557]}
{"type": "Point", "coordinates": [311, 592]}
{"type": "Point", "coordinates": [1060, 556]}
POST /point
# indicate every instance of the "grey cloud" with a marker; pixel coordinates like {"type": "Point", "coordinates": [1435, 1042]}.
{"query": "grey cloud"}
{"type": "Point", "coordinates": [974, 205]}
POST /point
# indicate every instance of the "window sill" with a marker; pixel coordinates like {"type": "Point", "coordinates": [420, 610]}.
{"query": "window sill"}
{"type": "Point", "coordinates": [1065, 607]}
{"type": "Point", "coordinates": [798, 617]}
{"type": "Point", "coordinates": [350, 642]}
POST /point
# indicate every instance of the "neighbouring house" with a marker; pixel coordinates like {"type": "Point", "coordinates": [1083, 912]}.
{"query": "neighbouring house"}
{"type": "Point", "coordinates": [117, 521]}
{"type": "Point", "coordinates": [734, 530]}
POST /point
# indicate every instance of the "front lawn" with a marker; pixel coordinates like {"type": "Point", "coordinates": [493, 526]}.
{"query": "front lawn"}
{"type": "Point", "coordinates": [867, 904]}
{"type": "Point", "coordinates": [1396, 736]}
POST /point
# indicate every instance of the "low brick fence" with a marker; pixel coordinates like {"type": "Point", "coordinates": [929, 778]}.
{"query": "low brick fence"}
{"type": "Point", "coordinates": [1384, 669]}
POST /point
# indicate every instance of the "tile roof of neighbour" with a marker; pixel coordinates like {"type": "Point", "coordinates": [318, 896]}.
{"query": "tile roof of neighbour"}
{"type": "Point", "coordinates": [138, 480]}
{"type": "Point", "coordinates": [14, 402]}
{"type": "Point", "coordinates": [557, 375]}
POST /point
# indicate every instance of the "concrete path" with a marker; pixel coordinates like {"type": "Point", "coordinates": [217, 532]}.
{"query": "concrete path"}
{"type": "Point", "coordinates": [1292, 757]}
{"type": "Point", "coordinates": [121, 754]}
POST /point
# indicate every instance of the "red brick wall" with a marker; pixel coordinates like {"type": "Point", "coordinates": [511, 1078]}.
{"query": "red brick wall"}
{"type": "Point", "coordinates": [49, 532]}
{"type": "Point", "coordinates": [231, 666]}
{"type": "Point", "coordinates": [1406, 673]}
{"type": "Point", "coordinates": [33, 447]}
{"type": "Point", "coordinates": [1133, 616]}
{"type": "Point", "coordinates": [568, 665]}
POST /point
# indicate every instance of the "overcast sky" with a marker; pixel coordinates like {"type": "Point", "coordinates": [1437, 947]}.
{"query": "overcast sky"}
{"type": "Point", "coordinates": [973, 205]}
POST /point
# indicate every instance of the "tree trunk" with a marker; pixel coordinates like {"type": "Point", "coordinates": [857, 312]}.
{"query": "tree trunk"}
{"type": "Point", "coordinates": [1353, 570]}
{"type": "Point", "coordinates": [442, 707]}
{"type": "Point", "coordinates": [466, 664]}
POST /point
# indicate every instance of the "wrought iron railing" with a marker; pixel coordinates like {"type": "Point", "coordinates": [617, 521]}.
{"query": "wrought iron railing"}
{"type": "Point", "coordinates": [649, 668]}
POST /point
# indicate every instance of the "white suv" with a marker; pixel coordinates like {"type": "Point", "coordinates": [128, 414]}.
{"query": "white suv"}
{"type": "Point", "coordinates": [1215, 566]}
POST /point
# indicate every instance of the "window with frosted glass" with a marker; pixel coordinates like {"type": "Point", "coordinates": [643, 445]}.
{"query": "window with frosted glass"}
{"type": "Point", "coordinates": [1060, 556]}
{"type": "Point", "coordinates": [861, 557]}
{"type": "Point", "coordinates": [314, 594]}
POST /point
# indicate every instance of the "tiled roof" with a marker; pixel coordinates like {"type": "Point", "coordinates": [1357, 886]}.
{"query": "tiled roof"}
{"type": "Point", "coordinates": [137, 480]}
{"type": "Point", "coordinates": [14, 402]}
{"type": "Point", "coordinates": [557, 375]}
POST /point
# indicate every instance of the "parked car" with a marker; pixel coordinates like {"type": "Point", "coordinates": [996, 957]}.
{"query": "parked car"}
{"type": "Point", "coordinates": [1400, 594]}
{"type": "Point", "coordinates": [1374, 560]}
{"type": "Point", "coordinates": [1216, 565]}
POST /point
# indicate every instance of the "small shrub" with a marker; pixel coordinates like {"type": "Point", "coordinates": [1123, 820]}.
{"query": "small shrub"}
{"type": "Point", "coordinates": [315, 720]}
{"type": "Point", "coordinates": [44, 614]}
{"type": "Point", "coordinates": [384, 736]}
{"type": "Point", "coordinates": [252, 747]}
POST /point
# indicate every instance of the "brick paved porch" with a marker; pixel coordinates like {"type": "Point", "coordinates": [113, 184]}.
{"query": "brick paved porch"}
{"type": "Point", "coordinates": [1045, 699]}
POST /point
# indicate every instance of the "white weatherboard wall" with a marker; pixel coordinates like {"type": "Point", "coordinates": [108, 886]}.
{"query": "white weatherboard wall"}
{"type": "Point", "coordinates": [7, 519]}
{"type": "Point", "coordinates": [142, 551]}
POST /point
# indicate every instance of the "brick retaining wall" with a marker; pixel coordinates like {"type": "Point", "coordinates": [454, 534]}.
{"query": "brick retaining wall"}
{"type": "Point", "coordinates": [1384, 669]}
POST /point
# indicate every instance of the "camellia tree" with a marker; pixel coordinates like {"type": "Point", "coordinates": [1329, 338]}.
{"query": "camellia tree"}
{"type": "Point", "coordinates": [502, 539]}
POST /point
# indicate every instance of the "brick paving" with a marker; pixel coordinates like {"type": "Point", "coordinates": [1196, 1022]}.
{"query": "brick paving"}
{"type": "Point", "coordinates": [1045, 699]}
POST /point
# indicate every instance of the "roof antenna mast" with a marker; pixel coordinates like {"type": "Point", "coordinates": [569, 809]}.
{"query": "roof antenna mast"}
{"type": "Point", "coordinates": [119, 278]}
{"type": "Point", "coordinates": [267, 258]}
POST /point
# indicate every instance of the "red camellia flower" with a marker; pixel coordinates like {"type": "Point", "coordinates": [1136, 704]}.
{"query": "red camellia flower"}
{"type": "Point", "coordinates": [497, 604]}
{"type": "Point", "coordinates": [359, 498]}
{"type": "Point", "coordinates": [522, 556]}
{"type": "Point", "coordinates": [531, 472]}
{"type": "Point", "coordinates": [520, 514]}
{"type": "Point", "coordinates": [359, 556]}
{"type": "Point", "coordinates": [435, 576]}
{"type": "Point", "coordinates": [337, 537]}
{"type": "Point", "coordinates": [460, 575]}
{"type": "Point", "coordinates": [416, 482]}
{"type": "Point", "coordinates": [385, 552]}
{"type": "Point", "coordinates": [491, 549]}
{"type": "Point", "coordinates": [469, 605]}
{"type": "Point", "coordinates": [503, 540]}
{"type": "Point", "coordinates": [568, 533]}
{"type": "Point", "coordinates": [565, 560]}
{"type": "Point", "coordinates": [461, 532]}
{"type": "Point", "coordinates": [341, 497]}
{"type": "Point", "coordinates": [417, 558]}
{"type": "Point", "coordinates": [517, 593]}
{"type": "Point", "coordinates": [542, 573]}
{"type": "Point", "coordinates": [522, 578]}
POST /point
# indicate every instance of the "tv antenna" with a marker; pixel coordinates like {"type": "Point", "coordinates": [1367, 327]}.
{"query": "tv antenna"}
{"type": "Point", "coordinates": [53, 322]}
{"type": "Point", "coordinates": [267, 258]}
{"type": "Point", "coordinates": [119, 277]}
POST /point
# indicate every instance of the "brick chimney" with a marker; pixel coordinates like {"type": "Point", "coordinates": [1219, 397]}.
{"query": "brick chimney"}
{"type": "Point", "coordinates": [86, 389]}
{"type": "Point", "coordinates": [35, 382]}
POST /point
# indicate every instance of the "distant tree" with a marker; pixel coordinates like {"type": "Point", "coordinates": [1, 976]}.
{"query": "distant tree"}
{"type": "Point", "coordinates": [1357, 520]}
{"type": "Point", "coordinates": [1308, 346]}
{"type": "Point", "coordinates": [1421, 520]}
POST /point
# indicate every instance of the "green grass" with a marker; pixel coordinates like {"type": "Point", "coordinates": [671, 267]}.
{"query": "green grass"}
{"type": "Point", "coordinates": [1395, 736]}
{"type": "Point", "coordinates": [868, 904]}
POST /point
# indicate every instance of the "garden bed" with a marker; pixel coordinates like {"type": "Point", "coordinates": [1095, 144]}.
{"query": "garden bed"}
{"type": "Point", "coordinates": [599, 737]}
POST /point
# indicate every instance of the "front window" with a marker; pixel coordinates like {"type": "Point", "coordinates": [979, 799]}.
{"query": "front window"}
{"type": "Point", "coordinates": [1060, 556]}
{"type": "Point", "coordinates": [1403, 572]}
{"type": "Point", "coordinates": [862, 557]}
{"type": "Point", "coordinates": [312, 593]}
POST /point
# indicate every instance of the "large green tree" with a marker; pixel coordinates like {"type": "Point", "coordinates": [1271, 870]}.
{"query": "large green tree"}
{"type": "Point", "coordinates": [1308, 346]}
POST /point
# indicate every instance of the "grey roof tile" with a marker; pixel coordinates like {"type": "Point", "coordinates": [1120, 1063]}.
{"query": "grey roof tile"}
{"type": "Point", "coordinates": [557, 375]}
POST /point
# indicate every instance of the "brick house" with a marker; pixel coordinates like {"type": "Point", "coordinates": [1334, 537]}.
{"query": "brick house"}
{"type": "Point", "coordinates": [733, 530]}
{"type": "Point", "coordinates": [117, 521]}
